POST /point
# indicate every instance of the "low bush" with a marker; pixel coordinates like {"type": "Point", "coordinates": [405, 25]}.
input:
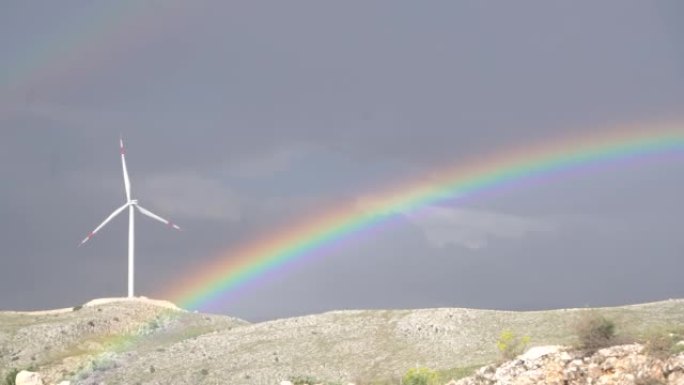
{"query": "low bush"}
{"type": "Point", "coordinates": [511, 345]}
{"type": "Point", "coordinates": [11, 376]}
{"type": "Point", "coordinates": [419, 376]}
{"type": "Point", "coordinates": [309, 380]}
{"type": "Point", "coordinates": [594, 331]}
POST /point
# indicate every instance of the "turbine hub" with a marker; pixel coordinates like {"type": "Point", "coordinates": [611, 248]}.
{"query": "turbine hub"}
{"type": "Point", "coordinates": [134, 201]}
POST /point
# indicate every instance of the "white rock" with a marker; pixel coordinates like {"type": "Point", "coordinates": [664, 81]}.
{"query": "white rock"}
{"type": "Point", "coordinates": [539, 351]}
{"type": "Point", "coordinates": [65, 383]}
{"type": "Point", "coordinates": [285, 383]}
{"type": "Point", "coordinates": [28, 378]}
{"type": "Point", "coordinates": [565, 357]}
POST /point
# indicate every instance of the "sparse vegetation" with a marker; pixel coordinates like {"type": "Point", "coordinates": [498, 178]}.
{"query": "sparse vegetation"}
{"type": "Point", "coordinates": [103, 364]}
{"type": "Point", "coordinates": [304, 380]}
{"type": "Point", "coordinates": [444, 376]}
{"type": "Point", "coordinates": [511, 345]}
{"type": "Point", "coordinates": [420, 376]}
{"type": "Point", "coordinates": [366, 347]}
{"type": "Point", "coordinates": [379, 381]}
{"type": "Point", "coordinates": [594, 331]}
{"type": "Point", "coordinates": [648, 381]}
{"type": "Point", "coordinates": [11, 377]}
{"type": "Point", "coordinates": [663, 342]}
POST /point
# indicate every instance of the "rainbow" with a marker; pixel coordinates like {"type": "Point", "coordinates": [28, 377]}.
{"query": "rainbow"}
{"type": "Point", "coordinates": [92, 40]}
{"type": "Point", "coordinates": [238, 267]}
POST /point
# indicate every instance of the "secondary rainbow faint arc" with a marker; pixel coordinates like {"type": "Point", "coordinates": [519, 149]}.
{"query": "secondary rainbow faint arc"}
{"type": "Point", "coordinates": [236, 267]}
{"type": "Point", "coordinates": [113, 30]}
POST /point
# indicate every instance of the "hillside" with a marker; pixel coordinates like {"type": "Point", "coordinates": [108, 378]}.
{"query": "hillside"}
{"type": "Point", "coordinates": [145, 342]}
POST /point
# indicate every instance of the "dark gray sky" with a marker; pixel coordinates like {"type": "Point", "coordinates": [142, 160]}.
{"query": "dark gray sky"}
{"type": "Point", "coordinates": [242, 117]}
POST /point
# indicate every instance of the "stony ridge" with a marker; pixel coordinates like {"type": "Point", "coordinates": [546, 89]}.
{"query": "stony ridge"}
{"type": "Point", "coordinates": [177, 347]}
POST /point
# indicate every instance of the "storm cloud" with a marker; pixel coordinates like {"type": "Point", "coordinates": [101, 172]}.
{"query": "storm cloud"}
{"type": "Point", "coordinates": [242, 118]}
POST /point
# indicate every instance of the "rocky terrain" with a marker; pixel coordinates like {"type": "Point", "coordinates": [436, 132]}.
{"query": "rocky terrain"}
{"type": "Point", "coordinates": [629, 364]}
{"type": "Point", "coordinates": [148, 342]}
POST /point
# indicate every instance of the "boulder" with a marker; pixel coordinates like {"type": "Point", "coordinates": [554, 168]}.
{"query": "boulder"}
{"type": "Point", "coordinates": [28, 378]}
{"type": "Point", "coordinates": [538, 352]}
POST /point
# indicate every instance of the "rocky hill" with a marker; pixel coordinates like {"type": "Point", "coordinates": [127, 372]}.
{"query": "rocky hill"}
{"type": "Point", "coordinates": [148, 342]}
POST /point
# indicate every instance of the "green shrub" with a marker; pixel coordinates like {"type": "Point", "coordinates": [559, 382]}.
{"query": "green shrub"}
{"type": "Point", "coordinates": [309, 380]}
{"type": "Point", "coordinates": [594, 331]}
{"type": "Point", "coordinates": [11, 377]}
{"type": "Point", "coordinates": [419, 376]}
{"type": "Point", "coordinates": [511, 345]}
{"type": "Point", "coordinates": [304, 380]}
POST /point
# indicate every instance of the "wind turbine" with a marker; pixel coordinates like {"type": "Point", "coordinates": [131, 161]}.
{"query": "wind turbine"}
{"type": "Point", "coordinates": [131, 205]}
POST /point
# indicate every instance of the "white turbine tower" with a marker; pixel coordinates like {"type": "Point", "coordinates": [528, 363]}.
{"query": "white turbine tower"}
{"type": "Point", "coordinates": [131, 205]}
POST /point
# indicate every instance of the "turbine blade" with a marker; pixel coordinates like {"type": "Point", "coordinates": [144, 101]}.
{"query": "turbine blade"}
{"type": "Point", "coordinates": [157, 217]}
{"type": "Point", "coordinates": [109, 218]}
{"type": "Point", "coordinates": [127, 182]}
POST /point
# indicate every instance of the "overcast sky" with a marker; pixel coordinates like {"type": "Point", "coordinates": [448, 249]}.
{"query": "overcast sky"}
{"type": "Point", "coordinates": [242, 117]}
